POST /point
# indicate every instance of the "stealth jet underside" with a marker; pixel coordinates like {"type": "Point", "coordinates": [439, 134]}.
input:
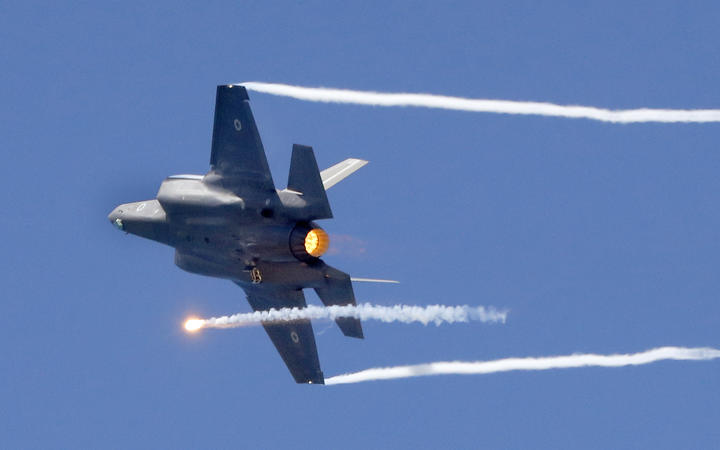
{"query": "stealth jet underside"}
{"type": "Point", "coordinates": [233, 223]}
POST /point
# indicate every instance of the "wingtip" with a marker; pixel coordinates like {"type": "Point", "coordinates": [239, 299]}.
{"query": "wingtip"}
{"type": "Point", "coordinates": [319, 378]}
{"type": "Point", "coordinates": [236, 89]}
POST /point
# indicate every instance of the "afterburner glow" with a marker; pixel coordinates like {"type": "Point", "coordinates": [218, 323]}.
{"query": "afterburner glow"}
{"type": "Point", "coordinates": [316, 242]}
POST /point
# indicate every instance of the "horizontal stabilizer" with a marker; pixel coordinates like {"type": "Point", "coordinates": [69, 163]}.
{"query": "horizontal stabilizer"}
{"type": "Point", "coordinates": [335, 174]}
{"type": "Point", "coordinates": [338, 291]}
{"type": "Point", "coordinates": [373, 280]}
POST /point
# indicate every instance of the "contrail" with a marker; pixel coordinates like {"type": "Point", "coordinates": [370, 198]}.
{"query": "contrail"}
{"type": "Point", "coordinates": [329, 95]}
{"type": "Point", "coordinates": [544, 363]}
{"type": "Point", "coordinates": [437, 314]}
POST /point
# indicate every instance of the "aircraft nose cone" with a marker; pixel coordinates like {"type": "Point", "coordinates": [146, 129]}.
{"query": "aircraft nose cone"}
{"type": "Point", "coordinates": [115, 217]}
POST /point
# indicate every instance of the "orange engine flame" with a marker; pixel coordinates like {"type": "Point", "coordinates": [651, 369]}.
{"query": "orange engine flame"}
{"type": "Point", "coordinates": [316, 242]}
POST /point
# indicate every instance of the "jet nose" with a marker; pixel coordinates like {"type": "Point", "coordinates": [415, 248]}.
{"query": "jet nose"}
{"type": "Point", "coordinates": [115, 218]}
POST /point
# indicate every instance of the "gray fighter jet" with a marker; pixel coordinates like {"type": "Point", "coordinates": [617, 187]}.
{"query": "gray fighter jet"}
{"type": "Point", "coordinates": [233, 223]}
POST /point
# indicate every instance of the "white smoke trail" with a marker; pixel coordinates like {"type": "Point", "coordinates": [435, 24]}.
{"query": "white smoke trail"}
{"type": "Point", "coordinates": [544, 363]}
{"type": "Point", "coordinates": [436, 314]}
{"type": "Point", "coordinates": [328, 95]}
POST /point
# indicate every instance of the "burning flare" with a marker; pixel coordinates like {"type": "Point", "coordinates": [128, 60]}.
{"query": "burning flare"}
{"type": "Point", "coordinates": [193, 324]}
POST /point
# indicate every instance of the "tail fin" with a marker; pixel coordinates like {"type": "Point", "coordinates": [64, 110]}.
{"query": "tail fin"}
{"type": "Point", "coordinates": [338, 291]}
{"type": "Point", "coordinates": [305, 180]}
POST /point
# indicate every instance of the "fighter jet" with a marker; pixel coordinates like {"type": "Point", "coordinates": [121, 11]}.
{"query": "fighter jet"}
{"type": "Point", "coordinates": [233, 223]}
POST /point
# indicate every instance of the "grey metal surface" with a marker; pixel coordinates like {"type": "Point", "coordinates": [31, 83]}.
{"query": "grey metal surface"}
{"type": "Point", "coordinates": [337, 290]}
{"type": "Point", "coordinates": [295, 341]}
{"type": "Point", "coordinates": [232, 223]}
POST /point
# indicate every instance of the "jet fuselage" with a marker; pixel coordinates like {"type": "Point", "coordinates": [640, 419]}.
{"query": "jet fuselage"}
{"type": "Point", "coordinates": [233, 223]}
{"type": "Point", "coordinates": [218, 234]}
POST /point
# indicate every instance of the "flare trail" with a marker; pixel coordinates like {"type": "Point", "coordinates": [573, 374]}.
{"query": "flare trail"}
{"type": "Point", "coordinates": [543, 363]}
{"type": "Point", "coordinates": [329, 95]}
{"type": "Point", "coordinates": [436, 314]}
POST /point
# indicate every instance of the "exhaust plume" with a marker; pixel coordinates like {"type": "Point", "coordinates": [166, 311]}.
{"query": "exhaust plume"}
{"type": "Point", "coordinates": [328, 95]}
{"type": "Point", "coordinates": [543, 363]}
{"type": "Point", "coordinates": [437, 314]}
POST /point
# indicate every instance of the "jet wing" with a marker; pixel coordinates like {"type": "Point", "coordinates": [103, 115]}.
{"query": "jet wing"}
{"type": "Point", "coordinates": [237, 155]}
{"type": "Point", "coordinates": [295, 341]}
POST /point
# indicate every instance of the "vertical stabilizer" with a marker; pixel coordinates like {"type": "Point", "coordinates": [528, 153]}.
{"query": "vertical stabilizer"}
{"type": "Point", "coordinates": [305, 181]}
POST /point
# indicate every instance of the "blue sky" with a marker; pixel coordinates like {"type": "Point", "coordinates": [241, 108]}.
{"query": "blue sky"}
{"type": "Point", "coordinates": [598, 237]}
